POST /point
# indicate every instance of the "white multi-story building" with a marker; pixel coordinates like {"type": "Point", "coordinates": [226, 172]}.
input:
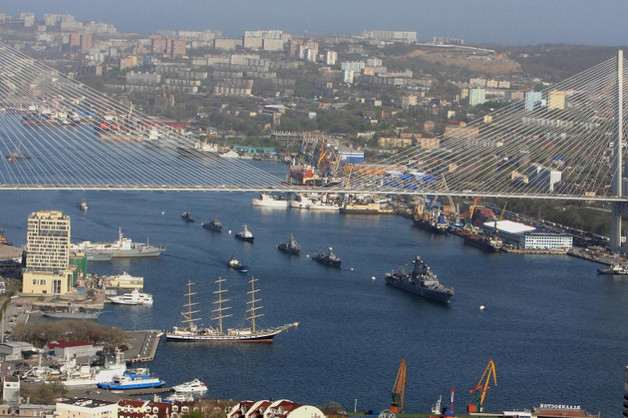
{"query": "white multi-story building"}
{"type": "Point", "coordinates": [355, 66]}
{"type": "Point", "coordinates": [86, 408]}
{"type": "Point", "coordinates": [48, 241]}
{"type": "Point", "coordinates": [331, 57]}
{"type": "Point", "coordinates": [543, 241]}
{"type": "Point", "coordinates": [477, 97]}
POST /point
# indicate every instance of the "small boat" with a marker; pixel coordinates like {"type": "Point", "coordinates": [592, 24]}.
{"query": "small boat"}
{"type": "Point", "coordinates": [133, 298]}
{"type": "Point", "coordinates": [290, 247]}
{"type": "Point", "coordinates": [245, 234]}
{"type": "Point", "coordinates": [615, 270]}
{"type": "Point", "coordinates": [83, 205]}
{"type": "Point", "coordinates": [16, 155]}
{"type": "Point", "coordinates": [233, 263]}
{"type": "Point", "coordinates": [133, 379]}
{"type": "Point", "coordinates": [187, 217]}
{"type": "Point", "coordinates": [213, 225]}
{"type": "Point", "coordinates": [190, 387]}
{"type": "Point", "coordinates": [328, 258]}
{"type": "Point", "coordinates": [180, 397]}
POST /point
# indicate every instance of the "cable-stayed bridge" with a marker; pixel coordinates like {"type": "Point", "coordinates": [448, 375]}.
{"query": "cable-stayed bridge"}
{"type": "Point", "coordinates": [560, 143]}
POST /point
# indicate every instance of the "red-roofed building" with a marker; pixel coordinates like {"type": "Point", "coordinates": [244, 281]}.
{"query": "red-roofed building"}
{"type": "Point", "coordinates": [152, 409]}
{"type": "Point", "coordinates": [72, 349]}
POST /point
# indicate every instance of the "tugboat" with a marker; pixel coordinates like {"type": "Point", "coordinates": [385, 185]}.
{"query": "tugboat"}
{"type": "Point", "coordinates": [328, 258]}
{"type": "Point", "coordinates": [213, 225]}
{"type": "Point", "coordinates": [614, 270]}
{"type": "Point", "coordinates": [421, 281]}
{"type": "Point", "coordinates": [245, 234]}
{"type": "Point", "coordinates": [83, 205]}
{"type": "Point", "coordinates": [290, 247]}
{"type": "Point", "coordinates": [233, 263]}
{"type": "Point", "coordinates": [187, 217]}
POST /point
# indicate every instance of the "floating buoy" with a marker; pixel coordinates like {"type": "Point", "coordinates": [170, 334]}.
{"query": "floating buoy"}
{"type": "Point", "coordinates": [229, 231]}
{"type": "Point", "coordinates": [482, 307]}
{"type": "Point", "coordinates": [351, 269]}
{"type": "Point", "coordinates": [307, 256]}
{"type": "Point", "coordinates": [372, 277]}
{"type": "Point", "coordinates": [163, 212]}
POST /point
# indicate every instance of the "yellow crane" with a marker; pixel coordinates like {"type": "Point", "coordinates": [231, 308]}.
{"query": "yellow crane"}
{"type": "Point", "coordinates": [482, 386]}
{"type": "Point", "coordinates": [399, 388]}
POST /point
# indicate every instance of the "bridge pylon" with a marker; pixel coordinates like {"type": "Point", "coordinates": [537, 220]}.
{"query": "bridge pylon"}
{"type": "Point", "coordinates": [618, 207]}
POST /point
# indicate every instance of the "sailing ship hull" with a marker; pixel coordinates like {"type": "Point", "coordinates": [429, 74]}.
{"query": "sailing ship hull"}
{"type": "Point", "coordinates": [254, 338]}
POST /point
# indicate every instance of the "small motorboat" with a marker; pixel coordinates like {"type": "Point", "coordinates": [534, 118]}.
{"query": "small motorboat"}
{"type": "Point", "coordinates": [245, 234]}
{"type": "Point", "coordinates": [83, 205]}
{"type": "Point", "coordinates": [187, 217]}
{"type": "Point", "coordinates": [233, 263]}
{"type": "Point", "coordinates": [213, 225]}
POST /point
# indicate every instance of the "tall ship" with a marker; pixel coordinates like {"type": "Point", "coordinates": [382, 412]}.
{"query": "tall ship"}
{"type": "Point", "coordinates": [122, 248]}
{"type": "Point", "coordinates": [421, 281]}
{"type": "Point", "coordinates": [191, 332]}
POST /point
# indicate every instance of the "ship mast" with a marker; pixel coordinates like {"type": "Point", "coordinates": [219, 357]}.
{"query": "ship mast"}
{"type": "Point", "coordinates": [219, 309]}
{"type": "Point", "coordinates": [252, 307]}
{"type": "Point", "coordinates": [188, 315]}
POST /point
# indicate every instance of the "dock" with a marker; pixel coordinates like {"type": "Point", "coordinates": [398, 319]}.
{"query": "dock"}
{"type": "Point", "coordinates": [142, 345]}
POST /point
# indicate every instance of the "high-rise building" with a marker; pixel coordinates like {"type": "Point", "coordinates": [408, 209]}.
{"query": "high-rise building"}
{"type": "Point", "coordinates": [533, 100]}
{"type": "Point", "coordinates": [331, 57]}
{"type": "Point", "coordinates": [48, 241]}
{"type": "Point", "coordinates": [477, 97]}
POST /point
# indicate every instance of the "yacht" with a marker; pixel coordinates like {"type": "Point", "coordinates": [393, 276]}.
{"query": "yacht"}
{"type": "Point", "coordinates": [191, 386]}
{"type": "Point", "coordinates": [271, 201]}
{"type": "Point", "coordinates": [133, 298]}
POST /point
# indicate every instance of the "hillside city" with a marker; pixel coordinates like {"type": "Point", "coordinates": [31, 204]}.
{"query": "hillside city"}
{"type": "Point", "coordinates": [370, 96]}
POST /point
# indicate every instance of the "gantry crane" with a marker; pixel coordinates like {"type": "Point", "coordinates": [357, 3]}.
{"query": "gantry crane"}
{"type": "Point", "coordinates": [482, 386]}
{"type": "Point", "coordinates": [399, 388]}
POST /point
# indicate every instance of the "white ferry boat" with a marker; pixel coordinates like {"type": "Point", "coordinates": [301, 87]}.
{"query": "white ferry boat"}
{"type": "Point", "coordinates": [133, 298]}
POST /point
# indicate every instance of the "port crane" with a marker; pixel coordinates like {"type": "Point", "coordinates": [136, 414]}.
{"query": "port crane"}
{"type": "Point", "coordinates": [482, 386]}
{"type": "Point", "coordinates": [399, 388]}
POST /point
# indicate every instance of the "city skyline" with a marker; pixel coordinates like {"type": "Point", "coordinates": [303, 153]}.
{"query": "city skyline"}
{"type": "Point", "coordinates": [505, 22]}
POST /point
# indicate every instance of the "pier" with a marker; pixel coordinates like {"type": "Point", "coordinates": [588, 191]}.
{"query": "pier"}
{"type": "Point", "coordinates": [142, 345]}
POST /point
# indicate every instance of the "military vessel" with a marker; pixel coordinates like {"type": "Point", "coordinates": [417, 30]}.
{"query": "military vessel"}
{"type": "Point", "coordinates": [421, 281]}
{"type": "Point", "coordinates": [121, 248]}
{"type": "Point", "coordinates": [290, 247]}
{"type": "Point", "coordinates": [328, 258]}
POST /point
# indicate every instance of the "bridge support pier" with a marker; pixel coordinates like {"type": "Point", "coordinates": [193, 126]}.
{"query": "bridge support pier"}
{"type": "Point", "coordinates": [617, 207]}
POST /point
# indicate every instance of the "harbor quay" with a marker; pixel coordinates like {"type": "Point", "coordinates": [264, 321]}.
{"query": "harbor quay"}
{"type": "Point", "coordinates": [142, 345]}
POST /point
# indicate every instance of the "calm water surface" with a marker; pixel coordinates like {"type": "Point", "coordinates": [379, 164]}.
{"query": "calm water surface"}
{"type": "Point", "coordinates": [555, 329]}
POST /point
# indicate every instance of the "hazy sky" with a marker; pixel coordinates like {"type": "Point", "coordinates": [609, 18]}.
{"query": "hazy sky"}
{"type": "Point", "coordinates": [515, 22]}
